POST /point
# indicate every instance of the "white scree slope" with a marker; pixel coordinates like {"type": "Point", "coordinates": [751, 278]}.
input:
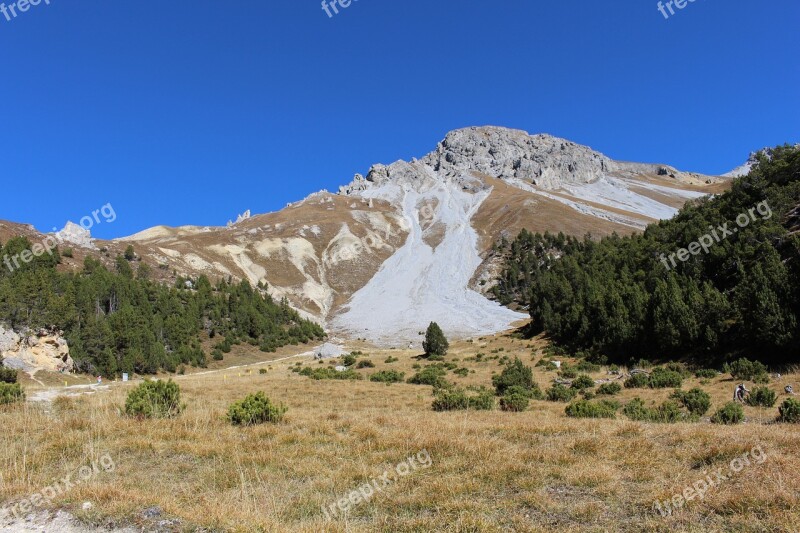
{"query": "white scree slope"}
{"type": "Point", "coordinates": [420, 283]}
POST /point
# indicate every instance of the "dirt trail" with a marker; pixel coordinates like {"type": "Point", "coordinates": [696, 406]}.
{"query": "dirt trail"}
{"type": "Point", "coordinates": [47, 395]}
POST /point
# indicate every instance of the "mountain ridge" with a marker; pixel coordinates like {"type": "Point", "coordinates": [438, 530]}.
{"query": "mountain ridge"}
{"type": "Point", "coordinates": [478, 185]}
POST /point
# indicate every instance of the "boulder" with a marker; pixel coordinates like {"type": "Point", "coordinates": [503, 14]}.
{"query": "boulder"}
{"type": "Point", "coordinates": [328, 351]}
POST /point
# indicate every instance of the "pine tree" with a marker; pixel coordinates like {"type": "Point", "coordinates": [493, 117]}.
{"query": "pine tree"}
{"type": "Point", "coordinates": [435, 342]}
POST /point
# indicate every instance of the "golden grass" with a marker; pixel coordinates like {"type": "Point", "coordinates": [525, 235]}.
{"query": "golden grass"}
{"type": "Point", "coordinates": [492, 471]}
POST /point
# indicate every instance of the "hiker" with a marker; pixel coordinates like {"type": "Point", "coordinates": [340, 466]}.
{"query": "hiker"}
{"type": "Point", "coordinates": [789, 390]}
{"type": "Point", "coordinates": [740, 393]}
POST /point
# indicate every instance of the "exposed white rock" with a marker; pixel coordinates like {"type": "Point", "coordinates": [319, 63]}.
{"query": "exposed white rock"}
{"type": "Point", "coordinates": [34, 351]}
{"type": "Point", "coordinates": [328, 351]}
{"type": "Point", "coordinates": [543, 160]}
{"type": "Point", "coordinates": [358, 184]}
{"type": "Point", "coordinates": [75, 234]}
{"type": "Point", "coordinates": [420, 284]}
{"type": "Point", "coordinates": [240, 218]}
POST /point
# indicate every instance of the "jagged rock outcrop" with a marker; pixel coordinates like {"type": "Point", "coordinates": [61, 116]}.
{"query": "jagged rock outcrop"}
{"type": "Point", "coordinates": [32, 351]}
{"type": "Point", "coordinates": [359, 183]}
{"type": "Point", "coordinates": [542, 160]}
{"type": "Point", "coordinates": [240, 218]}
{"type": "Point", "coordinates": [75, 234]}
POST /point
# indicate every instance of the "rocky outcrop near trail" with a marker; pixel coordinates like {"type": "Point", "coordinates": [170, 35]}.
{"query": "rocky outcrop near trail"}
{"type": "Point", "coordinates": [34, 351]}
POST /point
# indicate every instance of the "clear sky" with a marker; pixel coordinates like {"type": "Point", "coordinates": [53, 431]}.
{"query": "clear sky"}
{"type": "Point", "coordinates": [189, 112]}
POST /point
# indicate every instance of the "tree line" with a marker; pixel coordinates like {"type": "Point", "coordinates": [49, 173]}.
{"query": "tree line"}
{"type": "Point", "coordinates": [119, 321]}
{"type": "Point", "coordinates": [620, 298]}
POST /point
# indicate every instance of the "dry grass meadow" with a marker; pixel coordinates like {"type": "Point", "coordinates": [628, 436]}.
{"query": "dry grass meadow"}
{"type": "Point", "coordinates": [491, 471]}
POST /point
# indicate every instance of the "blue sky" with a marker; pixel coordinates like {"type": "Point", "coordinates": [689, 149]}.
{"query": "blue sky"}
{"type": "Point", "coordinates": [189, 112]}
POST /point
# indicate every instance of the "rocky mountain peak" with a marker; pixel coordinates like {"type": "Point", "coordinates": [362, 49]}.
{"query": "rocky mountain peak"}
{"type": "Point", "coordinates": [505, 153]}
{"type": "Point", "coordinates": [508, 154]}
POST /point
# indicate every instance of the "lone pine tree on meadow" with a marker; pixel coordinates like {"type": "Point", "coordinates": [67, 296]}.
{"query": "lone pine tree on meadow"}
{"type": "Point", "coordinates": [435, 342]}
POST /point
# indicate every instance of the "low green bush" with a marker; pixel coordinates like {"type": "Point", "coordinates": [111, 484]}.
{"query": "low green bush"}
{"type": "Point", "coordinates": [560, 393]}
{"type": "Point", "coordinates": [532, 394]}
{"type": "Point", "coordinates": [458, 399]}
{"type": "Point", "coordinates": [761, 379]}
{"type": "Point", "coordinates": [389, 360]}
{"type": "Point", "coordinates": [680, 368]}
{"type": "Point", "coordinates": [432, 375]}
{"type": "Point", "coordinates": [789, 411]}
{"type": "Point", "coordinates": [762, 397]}
{"type": "Point", "coordinates": [366, 363]}
{"type": "Point", "coordinates": [462, 372]}
{"type": "Point", "coordinates": [745, 370]}
{"type": "Point", "coordinates": [586, 366]}
{"type": "Point", "coordinates": [326, 373]}
{"type": "Point", "coordinates": [514, 374]}
{"type": "Point", "coordinates": [154, 399]}
{"type": "Point", "coordinates": [587, 409]}
{"type": "Point", "coordinates": [568, 372]}
{"type": "Point", "coordinates": [732, 413]}
{"type": "Point", "coordinates": [483, 400]}
{"type": "Point", "coordinates": [450, 400]}
{"type": "Point", "coordinates": [668, 412]}
{"type": "Point", "coordinates": [609, 389]}
{"type": "Point", "coordinates": [637, 381]}
{"type": "Point", "coordinates": [7, 375]}
{"type": "Point", "coordinates": [662, 378]}
{"type": "Point", "coordinates": [636, 410]}
{"type": "Point", "coordinates": [514, 400]}
{"type": "Point", "coordinates": [349, 360]}
{"type": "Point", "coordinates": [697, 401]}
{"type": "Point", "coordinates": [582, 382]}
{"type": "Point", "coordinates": [11, 393]}
{"type": "Point", "coordinates": [255, 409]}
{"type": "Point", "coordinates": [388, 376]}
